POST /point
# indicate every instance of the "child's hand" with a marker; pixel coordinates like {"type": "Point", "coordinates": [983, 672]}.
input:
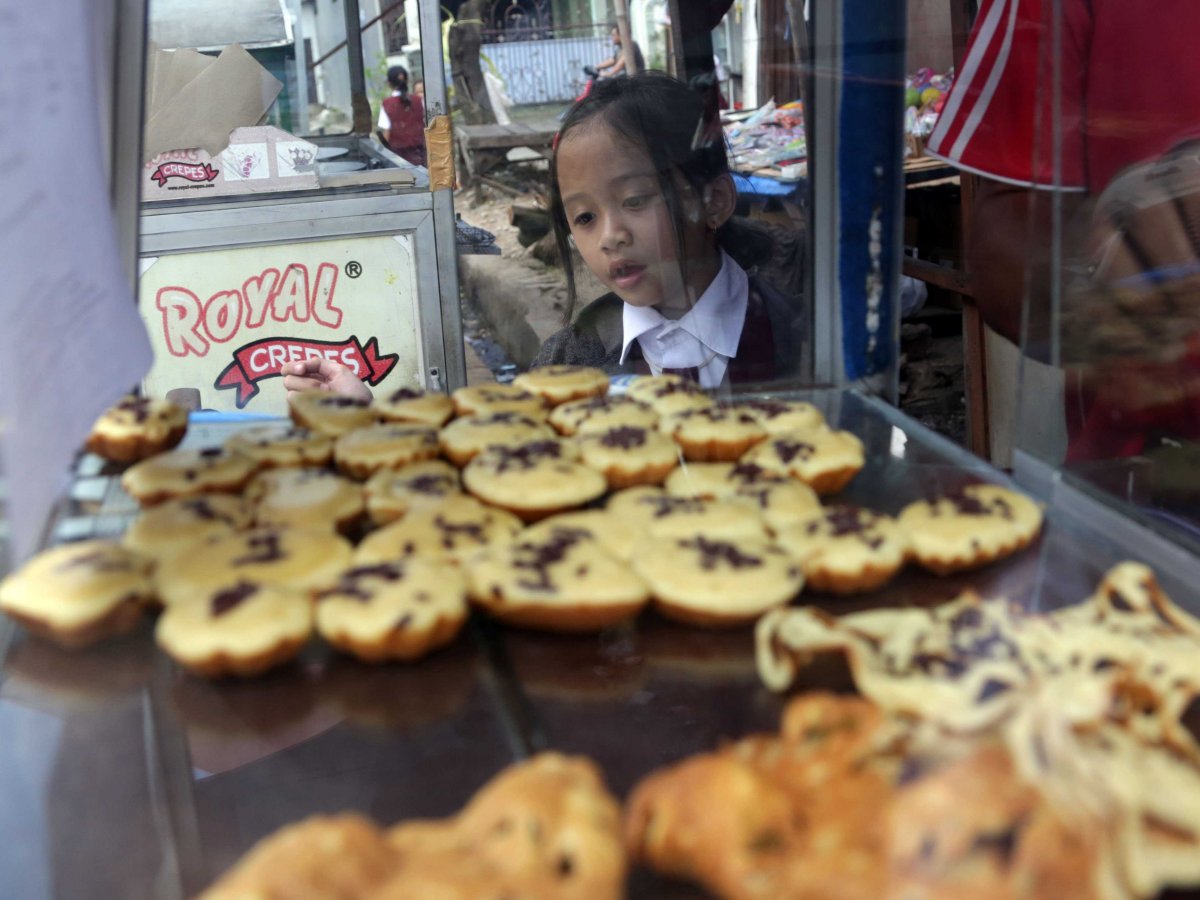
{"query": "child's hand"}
{"type": "Point", "coordinates": [323, 375]}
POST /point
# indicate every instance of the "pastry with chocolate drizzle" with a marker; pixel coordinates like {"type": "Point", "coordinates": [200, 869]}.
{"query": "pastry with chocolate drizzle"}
{"type": "Point", "coordinates": [178, 525]}
{"type": "Point", "coordinates": [782, 416]}
{"type": "Point", "coordinates": [481, 399]}
{"type": "Point", "coordinates": [562, 384]}
{"type": "Point", "coordinates": [188, 473]}
{"type": "Point", "coordinates": [301, 559]}
{"type": "Point", "coordinates": [276, 447]}
{"type": "Point", "coordinates": [331, 414]}
{"type": "Point", "coordinates": [668, 394]}
{"type": "Point", "coordinates": [451, 531]}
{"type": "Point", "coordinates": [824, 459]}
{"type": "Point", "coordinates": [393, 611]}
{"type": "Point", "coordinates": [79, 594]}
{"type": "Point", "coordinates": [600, 413]}
{"type": "Point", "coordinates": [717, 582]}
{"type": "Point", "coordinates": [464, 439]}
{"type": "Point", "coordinates": [534, 479]}
{"type": "Point", "coordinates": [655, 513]}
{"type": "Point", "coordinates": [242, 628]}
{"type": "Point", "coordinates": [393, 492]}
{"type": "Point", "coordinates": [137, 428]}
{"type": "Point", "coordinates": [306, 498]}
{"type": "Point", "coordinates": [556, 578]}
{"type": "Point", "coordinates": [845, 549]}
{"type": "Point", "coordinates": [413, 405]}
{"type": "Point", "coordinates": [389, 445]}
{"type": "Point", "coordinates": [714, 434]}
{"type": "Point", "coordinates": [629, 455]}
{"type": "Point", "coordinates": [970, 527]}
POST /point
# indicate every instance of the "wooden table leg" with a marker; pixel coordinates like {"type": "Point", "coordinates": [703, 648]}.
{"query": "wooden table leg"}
{"type": "Point", "coordinates": [975, 378]}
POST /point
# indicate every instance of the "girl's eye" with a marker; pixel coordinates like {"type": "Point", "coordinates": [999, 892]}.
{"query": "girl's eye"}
{"type": "Point", "coordinates": [582, 219]}
{"type": "Point", "coordinates": [638, 201]}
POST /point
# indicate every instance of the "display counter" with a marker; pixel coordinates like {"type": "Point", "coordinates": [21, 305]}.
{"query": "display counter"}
{"type": "Point", "coordinates": [122, 776]}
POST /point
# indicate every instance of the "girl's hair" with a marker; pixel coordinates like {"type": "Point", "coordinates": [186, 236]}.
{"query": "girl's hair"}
{"type": "Point", "coordinates": [665, 119]}
{"type": "Point", "coordinates": [397, 77]}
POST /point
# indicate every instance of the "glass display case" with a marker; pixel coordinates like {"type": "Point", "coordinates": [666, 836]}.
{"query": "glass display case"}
{"type": "Point", "coordinates": [122, 774]}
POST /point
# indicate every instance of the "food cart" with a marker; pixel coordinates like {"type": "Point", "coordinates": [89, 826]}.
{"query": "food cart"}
{"type": "Point", "coordinates": [122, 776]}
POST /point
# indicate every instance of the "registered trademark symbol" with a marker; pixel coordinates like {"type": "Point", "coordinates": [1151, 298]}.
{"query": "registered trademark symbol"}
{"type": "Point", "coordinates": [353, 269]}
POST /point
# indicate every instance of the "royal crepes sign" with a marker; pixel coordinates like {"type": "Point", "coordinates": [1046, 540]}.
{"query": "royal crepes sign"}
{"type": "Point", "coordinates": [225, 321]}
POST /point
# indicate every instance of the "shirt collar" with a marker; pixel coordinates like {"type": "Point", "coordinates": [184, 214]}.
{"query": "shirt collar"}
{"type": "Point", "coordinates": [715, 320]}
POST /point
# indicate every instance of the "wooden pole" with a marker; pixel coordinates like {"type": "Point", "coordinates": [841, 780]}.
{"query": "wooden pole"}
{"type": "Point", "coordinates": [622, 11]}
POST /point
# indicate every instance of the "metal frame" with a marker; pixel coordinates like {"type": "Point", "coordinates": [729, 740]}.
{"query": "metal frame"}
{"type": "Point", "coordinates": [825, 225]}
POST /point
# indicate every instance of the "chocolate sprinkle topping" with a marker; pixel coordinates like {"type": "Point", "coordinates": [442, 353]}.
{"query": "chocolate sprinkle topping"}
{"type": "Point", "coordinates": [405, 394]}
{"type": "Point", "coordinates": [524, 456]}
{"type": "Point", "coordinates": [625, 437]}
{"type": "Point", "coordinates": [788, 450]}
{"type": "Point", "coordinates": [537, 558]}
{"type": "Point", "coordinates": [341, 402]}
{"type": "Point", "coordinates": [226, 600]}
{"type": "Point", "coordinates": [430, 484]}
{"type": "Point", "coordinates": [139, 406]}
{"type": "Point", "coordinates": [403, 622]}
{"type": "Point", "coordinates": [211, 452]}
{"type": "Point", "coordinates": [714, 553]}
{"type": "Point", "coordinates": [349, 585]}
{"type": "Point", "coordinates": [264, 548]}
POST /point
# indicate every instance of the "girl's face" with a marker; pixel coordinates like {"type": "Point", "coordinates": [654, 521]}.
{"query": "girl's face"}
{"type": "Point", "coordinates": [622, 226]}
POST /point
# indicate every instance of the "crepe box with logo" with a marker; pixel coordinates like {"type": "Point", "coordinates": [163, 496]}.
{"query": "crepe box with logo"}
{"type": "Point", "coordinates": [204, 135]}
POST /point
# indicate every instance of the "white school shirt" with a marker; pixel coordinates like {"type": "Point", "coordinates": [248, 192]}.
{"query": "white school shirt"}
{"type": "Point", "coordinates": [705, 337]}
{"type": "Point", "coordinates": [385, 121]}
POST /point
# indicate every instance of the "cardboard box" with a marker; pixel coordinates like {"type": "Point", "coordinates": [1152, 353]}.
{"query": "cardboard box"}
{"type": "Point", "coordinates": [258, 159]}
{"type": "Point", "coordinates": [204, 134]}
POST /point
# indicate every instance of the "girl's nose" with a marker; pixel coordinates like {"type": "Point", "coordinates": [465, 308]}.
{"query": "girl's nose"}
{"type": "Point", "coordinates": [614, 234]}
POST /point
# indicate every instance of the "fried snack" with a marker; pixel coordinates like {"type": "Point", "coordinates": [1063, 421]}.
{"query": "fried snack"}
{"type": "Point", "coordinates": [600, 413]}
{"type": "Point", "coordinates": [302, 559]}
{"type": "Point", "coordinates": [79, 594]}
{"type": "Point", "coordinates": [186, 473]}
{"type": "Point", "coordinates": [243, 629]}
{"type": "Point", "coordinates": [562, 384]}
{"type": "Point", "coordinates": [322, 856]}
{"type": "Point", "coordinates": [558, 579]}
{"type": "Point", "coordinates": [652, 511]}
{"type": "Point", "coordinates": [714, 434]}
{"type": "Point", "coordinates": [668, 394]}
{"type": "Point", "coordinates": [716, 583]}
{"type": "Point", "coordinates": [275, 447]}
{"type": "Point", "coordinates": [798, 815]}
{"type": "Point", "coordinates": [393, 611]}
{"type": "Point", "coordinates": [464, 439]}
{"type": "Point", "coordinates": [970, 527]}
{"type": "Point", "coordinates": [849, 801]}
{"type": "Point", "coordinates": [484, 399]}
{"type": "Point", "coordinates": [390, 445]}
{"type": "Point", "coordinates": [164, 530]}
{"type": "Point", "coordinates": [392, 493]}
{"type": "Point", "coordinates": [629, 455]}
{"type": "Point", "coordinates": [412, 405]}
{"type": "Point", "coordinates": [846, 549]}
{"type": "Point", "coordinates": [137, 428]}
{"type": "Point", "coordinates": [452, 531]}
{"type": "Point", "coordinates": [331, 414]}
{"type": "Point", "coordinates": [1088, 702]}
{"type": "Point", "coordinates": [533, 480]}
{"type": "Point", "coordinates": [306, 498]}
{"type": "Point", "coordinates": [824, 460]}
{"type": "Point", "coordinates": [542, 828]}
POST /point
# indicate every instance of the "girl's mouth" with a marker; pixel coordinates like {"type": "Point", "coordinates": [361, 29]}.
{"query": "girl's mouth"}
{"type": "Point", "coordinates": [625, 274]}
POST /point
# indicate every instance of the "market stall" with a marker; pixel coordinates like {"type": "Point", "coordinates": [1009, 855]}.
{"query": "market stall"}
{"type": "Point", "coordinates": [144, 766]}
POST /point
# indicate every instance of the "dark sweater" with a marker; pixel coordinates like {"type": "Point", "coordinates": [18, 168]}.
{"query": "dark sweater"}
{"type": "Point", "coordinates": [772, 345]}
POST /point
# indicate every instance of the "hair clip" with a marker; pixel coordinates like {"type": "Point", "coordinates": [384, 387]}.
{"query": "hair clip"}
{"type": "Point", "coordinates": [554, 142]}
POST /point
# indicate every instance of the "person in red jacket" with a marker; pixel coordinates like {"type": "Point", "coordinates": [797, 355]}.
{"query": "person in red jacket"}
{"type": "Point", "coordinates": [1077, 114]}
{"type": "Point", "coordinates": [402, 119]}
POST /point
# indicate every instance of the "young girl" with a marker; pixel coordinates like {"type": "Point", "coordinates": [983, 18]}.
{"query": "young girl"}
{"type": "Point", "coordinates": [402, 119]}
{"type": "Point", "coordinates": [640, 186]}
